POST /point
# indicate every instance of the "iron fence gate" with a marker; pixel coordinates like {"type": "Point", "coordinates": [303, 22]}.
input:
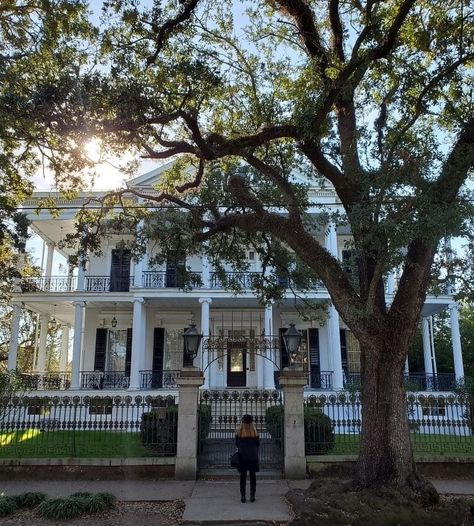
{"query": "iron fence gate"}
{"type": "Point", "coordinates": [220, 413]}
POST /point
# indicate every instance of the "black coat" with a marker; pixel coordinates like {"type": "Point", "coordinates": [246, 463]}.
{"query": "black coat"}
{"type": "Point", "coordinates": [248, 451]}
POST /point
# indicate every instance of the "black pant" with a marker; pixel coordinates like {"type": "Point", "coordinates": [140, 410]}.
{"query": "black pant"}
{"type": "Point", "coordinates": [243, 481]}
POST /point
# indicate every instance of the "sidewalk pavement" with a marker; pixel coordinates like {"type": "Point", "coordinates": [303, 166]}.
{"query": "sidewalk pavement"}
{"type": "Point", "coordinates": [206, 501]}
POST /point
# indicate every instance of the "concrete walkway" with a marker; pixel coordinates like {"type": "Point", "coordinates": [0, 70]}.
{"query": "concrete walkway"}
{"type": "Point", "coordinates": [207, 501]}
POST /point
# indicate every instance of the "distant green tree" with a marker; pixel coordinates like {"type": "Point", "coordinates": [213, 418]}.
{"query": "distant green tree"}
{"type": "Point", "coordinates": [40, 42]}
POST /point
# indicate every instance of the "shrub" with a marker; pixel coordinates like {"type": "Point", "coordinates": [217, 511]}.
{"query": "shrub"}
{"type": "Point", "coordinates": [159, 427]}
{"type": "Point", "coordinates": [61, 508]}
{"type": "Point", "coordinates": [205, 419]}
{"type": "Point", "coordinates": [318, 433]}
{"type": "Point", "coordinates": [75, 505]}
{"type": "Point", "coordinates": [7, 506]}
{"type": "Point", "coordinates": [274, 423]}
{"type": "Point", "coordinates": [29, 499]}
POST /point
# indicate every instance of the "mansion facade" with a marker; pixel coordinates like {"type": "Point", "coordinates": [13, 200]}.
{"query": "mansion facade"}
{"type": "Point", "coordinates": [122, 321]}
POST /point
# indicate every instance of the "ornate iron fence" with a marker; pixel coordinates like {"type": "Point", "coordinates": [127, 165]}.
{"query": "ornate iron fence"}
{"type": "Point", "coordinates": [439, 425]}
{"type": "Point", "coordinates": [49, 427]}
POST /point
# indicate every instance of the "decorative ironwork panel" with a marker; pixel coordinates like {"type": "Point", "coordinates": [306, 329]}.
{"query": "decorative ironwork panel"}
{"type": "Point", "coordinates": [104, 380]}
{"type": "Point", "coordinates": [220, 414]}
{"type": "Point", "coordinates": [46, 381]}
{"type": "Point", "coordinates": [159, 379]}
{"type": "Point", "coordinates": [48, 284]}
{"type": "Point", "coordinates": [97, 283]}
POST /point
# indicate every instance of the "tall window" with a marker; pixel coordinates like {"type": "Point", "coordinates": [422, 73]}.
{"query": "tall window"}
{"type": "Point", "coordinates": [116, 350]}
{"type": "Point", "coordinates": [353, 353]}
{"type": "Point", "coordinates": [173, 349]}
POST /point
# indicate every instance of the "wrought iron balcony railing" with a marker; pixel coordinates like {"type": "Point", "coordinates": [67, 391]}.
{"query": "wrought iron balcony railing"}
{"type": "Point", "coordinates": [244, 280]}
{"type": "Point", "coordinates": [46, 381]}
{"type": "Point", "coordinates": [430, 382]}
{"type": "Point", "coordinates": [160, 279]}
{"type": "Point", "coordinates": [104, 380]}
{"type": "Point", "coordinates": [413, 381]}
{"type": "Point", "coordinates": [108, 284]}
{"type": "Point", "coordinates": [48, 284]}
{"type": "Point", "coordinates": [320, 380]}
{"type": "Point", "coordinates": [159, 379]}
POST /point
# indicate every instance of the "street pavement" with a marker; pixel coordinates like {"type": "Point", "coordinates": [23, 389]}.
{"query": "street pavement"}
{"type": "Point", "coordinates": [206, 501]}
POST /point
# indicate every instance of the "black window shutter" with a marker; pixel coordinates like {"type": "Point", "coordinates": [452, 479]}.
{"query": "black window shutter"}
{"type": "Point", "coordinates": [100, 349]}
{"type": "Point", "coordinates": [342, 333]}
{"type": "Point", "coordinates": [120, 270]}
{"type": "Point", "coordinates": [314, 358]}
{"type": "Point", "coordinates": [158, 358]}
{"type": "Point", "coordinates": [284, 358]}
{"type": "Point", "coordinates": [128, 352]}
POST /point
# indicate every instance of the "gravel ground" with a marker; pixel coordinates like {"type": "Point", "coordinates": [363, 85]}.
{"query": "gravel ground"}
{"type": "Point", "coordinates": [123, 514]}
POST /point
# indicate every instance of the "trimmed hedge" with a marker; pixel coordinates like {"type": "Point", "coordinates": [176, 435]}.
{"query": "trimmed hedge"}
{"type": "Point", "coordinates": [318, 434]}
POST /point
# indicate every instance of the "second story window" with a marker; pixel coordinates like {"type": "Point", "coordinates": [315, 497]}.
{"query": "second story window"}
{"type": "Point", "coordinates": [120, 270]}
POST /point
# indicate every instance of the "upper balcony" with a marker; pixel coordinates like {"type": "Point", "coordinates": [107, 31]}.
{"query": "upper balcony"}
{"type": "Point", "coordinates": [150, 280]}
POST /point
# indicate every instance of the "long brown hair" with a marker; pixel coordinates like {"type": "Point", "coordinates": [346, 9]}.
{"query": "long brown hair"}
{"type": "Point", "coordinates": [246, 430]}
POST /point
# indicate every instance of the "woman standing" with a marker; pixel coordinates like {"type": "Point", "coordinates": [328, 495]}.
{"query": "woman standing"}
{"type": "Point", "coordinates": [247, 442]}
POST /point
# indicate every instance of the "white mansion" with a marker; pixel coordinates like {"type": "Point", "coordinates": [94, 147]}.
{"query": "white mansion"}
{"type": "Point", "coordinates": [128, 320]}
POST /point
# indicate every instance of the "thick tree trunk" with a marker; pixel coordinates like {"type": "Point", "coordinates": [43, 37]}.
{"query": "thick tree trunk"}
{"type": "Point", "coordinates": [386, 455]}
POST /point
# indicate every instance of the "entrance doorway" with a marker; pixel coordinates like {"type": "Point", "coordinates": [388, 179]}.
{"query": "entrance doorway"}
{"type": "Point", "coordinates": [236, 364]}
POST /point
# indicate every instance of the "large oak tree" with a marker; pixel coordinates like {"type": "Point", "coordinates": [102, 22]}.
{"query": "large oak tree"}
{"type": "Point", "coordinates": [373, 98]}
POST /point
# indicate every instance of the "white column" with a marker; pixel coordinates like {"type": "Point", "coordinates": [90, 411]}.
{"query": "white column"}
{"type": "Point", "coordinates": [14, 334]}
{"type": "Point", "coordinates": [205, 308]}
{"type": "Point", "coordinates": [64, 348]}
{"type": "Point", "coordinates": [330, 239]}
{"type": "Point", "coordinates": [206, 272]}
{"type": "Point", "coordinates": [425, 328]}
{"type": "Point", "coordinates": [456, 341]}
{"type": "Point", "coordinates": [407, 368]}
{"type": "Point", "coordinates": [77, 344]}
{"type": "Point", "coordinates": [41, 362]}
{"type": "Point", "coordinates": [138, 342]}
{"type": "Point", "coordinates": [391, 283]}
{"type": "Point", "coordinates": [432, 346]}
{"type": "Point", "coordinates": [81, 276]}
{"type": "Point", "coordinates": [334, 337]}
{"type": "Point", "coordinates": [269, 366]}
{"type": "Point", "coordinates": [49, 265]}
{"type": "Point", "coordinates": [49, 259]}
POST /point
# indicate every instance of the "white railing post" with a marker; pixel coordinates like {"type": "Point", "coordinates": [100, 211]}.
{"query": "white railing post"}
{"type": "Point", "coordinates": [456, 341]}
{"type": "Point", "coordinates": [15, 331]}
{"type": "Point", "coordinates": [77, 344]}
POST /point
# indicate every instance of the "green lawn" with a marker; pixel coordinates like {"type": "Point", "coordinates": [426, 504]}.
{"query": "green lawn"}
{"type": "Point", "coordinates": [33, 443]}
{"type": "Point", "coordinates": [440, 445]}
{"type": "Point", "coordinates": [58, 444]}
